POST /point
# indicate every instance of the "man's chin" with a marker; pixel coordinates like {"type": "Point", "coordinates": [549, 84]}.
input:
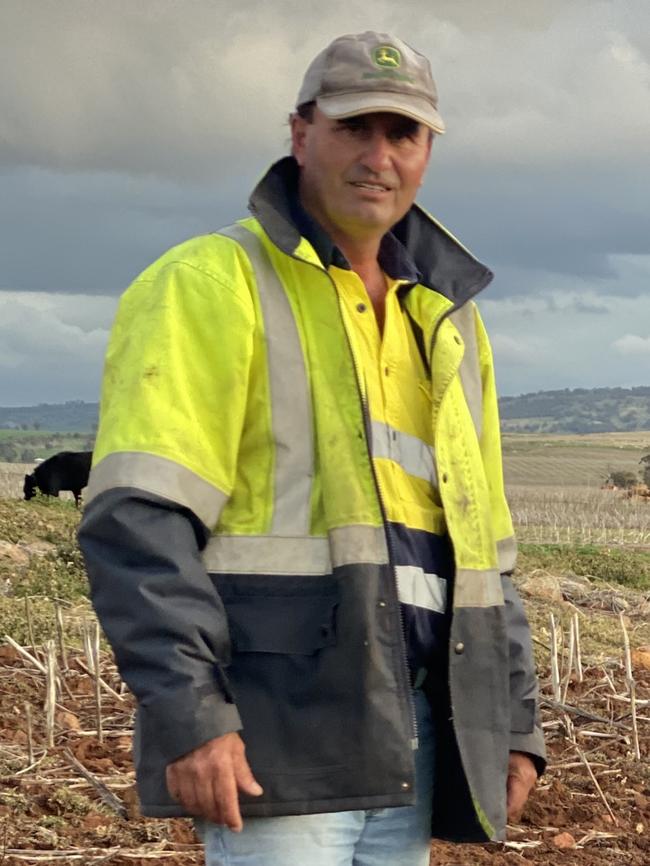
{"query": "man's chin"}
{"type": "Point", "coordinates": [371, 218]}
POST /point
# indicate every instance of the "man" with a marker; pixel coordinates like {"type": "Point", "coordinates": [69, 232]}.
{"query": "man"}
{"type": "Point", "coordinates": [297, 537]}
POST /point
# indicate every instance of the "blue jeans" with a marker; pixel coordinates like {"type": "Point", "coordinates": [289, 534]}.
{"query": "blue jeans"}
{"type": "Point", "coordinates": [399, 836]}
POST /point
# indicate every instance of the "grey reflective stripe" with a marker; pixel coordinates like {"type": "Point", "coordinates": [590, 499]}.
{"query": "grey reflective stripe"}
{"type": "Point", "coordinates": [470, 368]}
{"type": "Point", "coordinates": [413, 455]}
{"type": "Point", "coordinates": [160, 476]}
{"type": "Point", "coordinates": [357, 543]}
{"type": "Point", "coordinates": [290, 396]}
{"type": "Point", "coordinates": [476, 588]}
{"type": "Point", "coordinates": [507, 553]}
{"type": "Point", "coordinates": [415, 586]}
{"type": "Point", "coordinates": [270, 554]}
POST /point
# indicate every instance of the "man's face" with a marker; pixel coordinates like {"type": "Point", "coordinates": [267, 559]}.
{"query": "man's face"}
{"type": "Point", "coordinates": [359, 176]}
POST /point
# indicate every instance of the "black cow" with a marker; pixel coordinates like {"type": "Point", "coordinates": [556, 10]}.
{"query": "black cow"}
{"type": "Point", "coordinates": [67, 470]}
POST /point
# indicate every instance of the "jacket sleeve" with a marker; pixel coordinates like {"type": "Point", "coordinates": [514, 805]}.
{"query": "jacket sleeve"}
{"type": "Point", "coordinates": [171, 417]}
{"type": "Point", "coordinates": [161, 614]}
{"type": "Point", "coordinates": [525, 731]}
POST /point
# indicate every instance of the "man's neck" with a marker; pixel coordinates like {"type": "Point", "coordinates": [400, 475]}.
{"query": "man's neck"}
{"type": "Point", "coordinates": [363, 259]}
{"type": "Point", "coordinates": [362, 254]}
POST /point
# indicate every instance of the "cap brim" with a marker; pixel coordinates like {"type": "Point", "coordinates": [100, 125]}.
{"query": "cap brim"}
{"type": "Point", "coordinates": [344, 105]}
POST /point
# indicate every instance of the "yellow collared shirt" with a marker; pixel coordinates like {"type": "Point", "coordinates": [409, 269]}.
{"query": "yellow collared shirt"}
{"type": "Point", "coordinates": [396, 387]}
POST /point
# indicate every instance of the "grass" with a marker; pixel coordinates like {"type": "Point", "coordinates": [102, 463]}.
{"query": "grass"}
{"type": "Point", "coordinates": [625, 566]}
{"type": "Point", "coordinates": [57, 573]}
{"type": "Point", "coordinates": [41, 443]}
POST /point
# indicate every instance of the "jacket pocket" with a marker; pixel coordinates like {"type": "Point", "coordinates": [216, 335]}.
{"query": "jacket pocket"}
{"type": "Point", "coordinates": [275, 616]}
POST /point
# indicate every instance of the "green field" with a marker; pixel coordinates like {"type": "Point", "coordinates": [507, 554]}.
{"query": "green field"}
{"type": "Point", "coordinates": [26, 446]}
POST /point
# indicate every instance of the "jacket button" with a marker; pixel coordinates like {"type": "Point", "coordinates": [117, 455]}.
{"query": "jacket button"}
{"type": "Point", "coordinates": [381, 604]}
{"type": "Point", "coordinates": [459, 649]}
{"type": "Point", "coordinates": [445, 478]}
{"type": "Point", "coordinates": [405, 786]}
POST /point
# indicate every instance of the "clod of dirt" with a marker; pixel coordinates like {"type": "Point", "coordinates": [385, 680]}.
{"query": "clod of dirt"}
{"type": "Point", "coordinates": [37, 548]}
{"type": "Point", "coordinates": [641, 657]}
{"type": "Point", "coordinates": [14, 553]}
{"type": "Point", "coordinates": [564, 840]}
{"type": "Point", "coordinates": [543, 586]}
{"type": "Point", "coordinates": [68, 720]}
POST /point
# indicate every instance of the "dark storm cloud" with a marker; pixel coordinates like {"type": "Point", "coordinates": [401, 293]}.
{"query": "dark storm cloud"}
{"type": "Point", "coordinates": [95, 233]}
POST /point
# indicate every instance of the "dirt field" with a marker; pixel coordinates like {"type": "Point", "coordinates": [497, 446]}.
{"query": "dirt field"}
{"type": "Point", "coordinates": [74, 801]}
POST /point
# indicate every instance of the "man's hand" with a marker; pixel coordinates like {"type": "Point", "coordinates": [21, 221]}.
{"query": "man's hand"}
{"type": "Point", "coordinates": [522, 775]}
{"type": "Point", "coordinates": [206, 780]}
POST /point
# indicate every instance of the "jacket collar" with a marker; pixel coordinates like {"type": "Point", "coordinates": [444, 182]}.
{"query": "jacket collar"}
{"type": "Point", "coordinates": [428, 251]}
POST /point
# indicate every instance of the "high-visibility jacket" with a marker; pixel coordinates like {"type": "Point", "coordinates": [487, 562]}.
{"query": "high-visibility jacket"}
{"type": "Point", "coordinates": [231, 424]}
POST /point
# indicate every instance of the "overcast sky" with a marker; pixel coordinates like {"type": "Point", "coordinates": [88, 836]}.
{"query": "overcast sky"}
{"type": "Point", "coordinates": [126, 127]}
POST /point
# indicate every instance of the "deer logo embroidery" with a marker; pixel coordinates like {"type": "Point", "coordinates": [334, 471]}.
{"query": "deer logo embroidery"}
{"type": "Point", "coordinates": [387, 57]}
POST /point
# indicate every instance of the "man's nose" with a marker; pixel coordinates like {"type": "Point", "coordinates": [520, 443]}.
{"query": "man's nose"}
{"type": "Point", "coordinates": [377, 152]}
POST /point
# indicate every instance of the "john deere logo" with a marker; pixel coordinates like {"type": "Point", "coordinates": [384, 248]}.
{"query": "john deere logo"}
{"type": "Point", "coordinates": [387, 57]}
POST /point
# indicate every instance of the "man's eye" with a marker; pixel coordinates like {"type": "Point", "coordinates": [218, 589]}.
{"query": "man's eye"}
{"type": "Point", "coordinates": [404, 134]}
{"type": "Point", "coordinates": [353, 125]}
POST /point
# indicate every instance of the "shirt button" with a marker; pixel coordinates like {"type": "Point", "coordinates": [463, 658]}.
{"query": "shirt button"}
{"type": "Point", "coordinates": [386, 371]}
{"type": "Point", "coordinates": [459, 649]}
{"type": "Point", "coordinates": [457, 339]}
{"type": "Point", "coordinates": [445, 478]}
{"type": "Point", "coordinates": [405, 786]}
{"type": "Point", "coordinates": [381, 604]}
{"type": "Point", "coordinates": [361, 308]}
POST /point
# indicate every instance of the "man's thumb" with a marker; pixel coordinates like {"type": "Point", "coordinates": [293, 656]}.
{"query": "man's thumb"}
{"type": "Point", "coordinates": [245, 780]}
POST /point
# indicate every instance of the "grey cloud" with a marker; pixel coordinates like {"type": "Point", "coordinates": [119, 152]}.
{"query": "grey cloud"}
{"type": "Point", "coordinates": [95, 233]}
{"type": "Point", "coordinates": [590, 308]}
{"type": "Point", "coordinates": [572, 222]}
{"type": "Point", "coordinates": [45, 355]}
{"type": "Point", "coordinates": [184, 89]}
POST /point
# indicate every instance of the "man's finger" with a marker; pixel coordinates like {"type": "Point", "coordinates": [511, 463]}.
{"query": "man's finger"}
{"type": "Point", "coordinates": [187, 795]}
{"type": "Point", "coordinates": [207, 804]}
{"type": "Point", "coordinates": [245, 779]}
{"type": "Point", "coordinates": [517, 796]}
{"type": "Point", "coordinates": [225, 794]}
{"type": "Point", "coordinates": [521, 779]}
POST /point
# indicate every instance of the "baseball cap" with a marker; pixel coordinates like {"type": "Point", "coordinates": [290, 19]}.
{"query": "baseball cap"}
{"type": "Point", "coordinates": [369, 72]}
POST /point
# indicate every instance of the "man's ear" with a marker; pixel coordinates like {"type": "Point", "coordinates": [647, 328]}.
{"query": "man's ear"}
{"type": "Point", "coordinates": [298, 134]}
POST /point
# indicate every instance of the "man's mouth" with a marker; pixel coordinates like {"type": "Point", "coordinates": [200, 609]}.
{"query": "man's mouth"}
{"type": "Point", "coordinates": [375, 187]}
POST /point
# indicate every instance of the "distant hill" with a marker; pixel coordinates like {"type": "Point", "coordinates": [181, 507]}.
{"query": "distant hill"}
{"type": "Point", "coordinates": [75, 416]}
{"type": "Point", "coordinates": [581, 410]}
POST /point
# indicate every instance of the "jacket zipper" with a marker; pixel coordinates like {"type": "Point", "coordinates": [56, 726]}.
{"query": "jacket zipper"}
{"type": "Point", "coordinates": [391, 557]}
{"type": "Point", "coordinates": [382, 507]}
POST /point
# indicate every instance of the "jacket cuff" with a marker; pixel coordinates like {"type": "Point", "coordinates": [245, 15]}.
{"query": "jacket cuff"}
{"type": "Point", "coordinates": [187, 720]}
{"type": "Point", "coordinates": [532, 745]}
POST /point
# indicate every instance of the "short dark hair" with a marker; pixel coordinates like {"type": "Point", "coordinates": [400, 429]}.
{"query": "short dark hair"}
{"type": "Point", "coordinates": [306, 111]}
